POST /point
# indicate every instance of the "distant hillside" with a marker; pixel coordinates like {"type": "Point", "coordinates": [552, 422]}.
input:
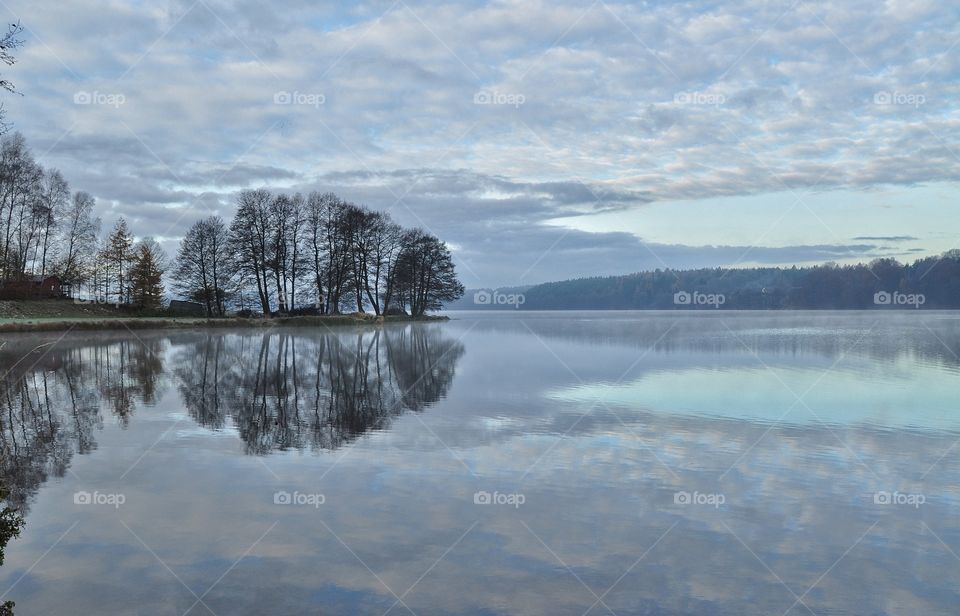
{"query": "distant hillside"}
{"type": "Point", "coordinates": [885, 283]}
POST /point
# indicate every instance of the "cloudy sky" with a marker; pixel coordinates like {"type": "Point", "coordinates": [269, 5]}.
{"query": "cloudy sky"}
{"type": "Point", "coordinates": [541, 140]}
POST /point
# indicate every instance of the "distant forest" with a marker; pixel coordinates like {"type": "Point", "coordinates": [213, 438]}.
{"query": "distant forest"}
{"type": "Point", "coordinates": [929, 283]}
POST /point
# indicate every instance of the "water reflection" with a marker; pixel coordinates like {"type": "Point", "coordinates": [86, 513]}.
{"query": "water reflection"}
{"type": "Point", "coordinates": [691, 406]}
{"type": "Point", "coordinates": [53, 396]}
{"type": "Point", "coordinates": [928, 336]}
{"type": "Point", "coordinates": [11, 523]}
{"type": "Point", "coordinates": [286, 390]}
{"type": "Point", "coordinates": [280, 390]}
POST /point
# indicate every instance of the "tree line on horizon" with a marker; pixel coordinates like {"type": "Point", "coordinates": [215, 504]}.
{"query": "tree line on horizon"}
{"type": "Point", "coordinates": [828, 286]}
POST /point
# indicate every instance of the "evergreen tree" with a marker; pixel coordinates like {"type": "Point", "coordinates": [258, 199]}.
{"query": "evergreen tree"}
{"type": "Point", "coordinates": [118, 257]}
{"type": "Point", "coordinates": [146, 276]}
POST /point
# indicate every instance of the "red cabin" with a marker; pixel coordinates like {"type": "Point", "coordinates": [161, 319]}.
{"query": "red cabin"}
{"type": "Point", "coordinates": [32, 287]}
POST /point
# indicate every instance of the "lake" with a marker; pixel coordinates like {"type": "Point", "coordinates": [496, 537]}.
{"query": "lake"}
{"type": "Point", "coordinates": [686, 462]}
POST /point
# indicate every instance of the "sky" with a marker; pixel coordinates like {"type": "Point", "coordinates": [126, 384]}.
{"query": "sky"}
{"type": "Point", "coordinates": [541, 140]}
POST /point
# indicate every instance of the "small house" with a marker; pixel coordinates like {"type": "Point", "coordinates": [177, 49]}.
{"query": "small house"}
{"type": "Point", "coordinates": [32, 287]}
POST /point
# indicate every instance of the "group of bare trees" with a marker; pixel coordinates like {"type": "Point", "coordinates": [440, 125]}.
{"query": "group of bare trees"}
{"type": "Point", "coordinates": [280, 253]}
{"type": "Point", "coordinates": [44, 229]}
{"type": "Point", "coordinates": [285, 253]}
{"type": "Point", "coordinates": [47, 230]}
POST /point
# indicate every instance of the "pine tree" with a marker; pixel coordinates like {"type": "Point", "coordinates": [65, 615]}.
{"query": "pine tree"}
{"type": "Point", "coordinates": [118, 255]}
{"type": "Point", "coordinates": [146, 285]}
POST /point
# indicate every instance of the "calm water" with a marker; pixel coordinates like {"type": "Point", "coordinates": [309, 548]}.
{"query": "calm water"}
{"type": "Point", "coordinates": [500, 463]}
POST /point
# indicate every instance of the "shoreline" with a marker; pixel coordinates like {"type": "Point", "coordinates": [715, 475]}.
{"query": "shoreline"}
{"type": "Point", "coordinates": [49, 324]}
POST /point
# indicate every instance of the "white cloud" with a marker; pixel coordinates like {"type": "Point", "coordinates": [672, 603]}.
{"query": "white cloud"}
{"type": "Point", "coordinates": [660, 102]}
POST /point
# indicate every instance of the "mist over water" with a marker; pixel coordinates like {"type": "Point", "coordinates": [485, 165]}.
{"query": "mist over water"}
{"type": "Point", "coordinates": [523, 463]}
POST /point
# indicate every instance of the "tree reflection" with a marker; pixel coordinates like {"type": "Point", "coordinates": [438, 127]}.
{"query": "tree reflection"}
{"type": "Point", "coordinates": [52, 397]}
{"type": "Point", "coordinates": [50, 407]}
{"type": "Point", "coordinates": [281, 390]}
{"type": "Point", "coordinates": [11, 523]}
{"type": "Point", "coordinates": [288, 391]}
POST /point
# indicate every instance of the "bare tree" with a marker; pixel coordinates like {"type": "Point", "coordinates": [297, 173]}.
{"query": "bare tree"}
{"type": "Point", "coordinates": [55, 197]}
{"type": "Point", "coordinates": [8, 42]}
{"type": "Point", "coordinates": [278, 258]}
{"type": "Point", "coordinates": [426, 277]}
{"type": "Point", "coordinates": [201, 265]}
{"type": "Point", "coordinates": [360, 223]}
{"type": "Point", "coordinates": [20, 177]}
{"type": "Point", "coordinates": [297, 227]}
{"type": "Point", "coordinates": [78, 234]}
{"type": "Point", "coordinates": [329, 248]}
{"type": "Point", "coordinates": [250, 234]}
